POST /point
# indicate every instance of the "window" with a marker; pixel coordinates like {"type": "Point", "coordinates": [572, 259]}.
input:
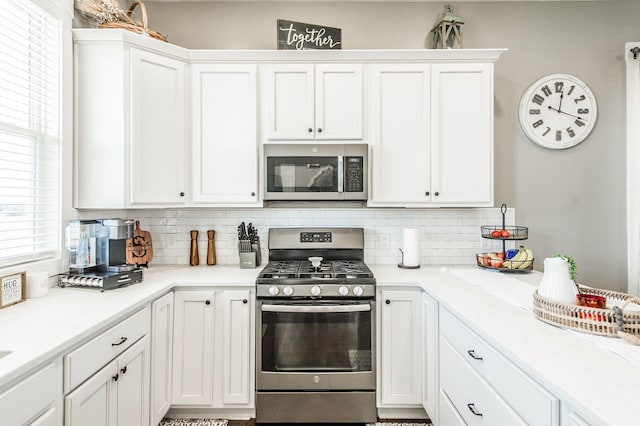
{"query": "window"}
{"type": "Point", "coordinates": [30, 141]}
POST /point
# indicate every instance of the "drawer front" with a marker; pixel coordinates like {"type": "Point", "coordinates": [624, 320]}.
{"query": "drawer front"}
{"type": "Point", "coordinates": [475, 401]}
{"type": "Point", "coordinates": [93, 355]}
{"type": "Point", "coordinates": [31, 397]}
{"type": "Point", "coordinates": [532, 402]}
{"type": "Point", "coordinates": [447, 413]}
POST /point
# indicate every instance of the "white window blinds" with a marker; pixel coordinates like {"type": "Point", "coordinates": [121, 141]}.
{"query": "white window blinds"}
{"type": "Point", "coordinates": [30, 52]}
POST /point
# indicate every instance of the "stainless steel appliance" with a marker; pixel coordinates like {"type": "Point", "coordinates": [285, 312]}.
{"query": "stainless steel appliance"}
{"type": "Point", "coordinates": [315, 340]}
{"type": "Point", "coordinates": [98, 254]}
{"type": "Point", "coordinates": [315, 172]}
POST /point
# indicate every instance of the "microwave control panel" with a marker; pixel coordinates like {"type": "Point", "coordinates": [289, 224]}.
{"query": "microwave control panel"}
{"type": "Point", "coordinates": [353, 174]}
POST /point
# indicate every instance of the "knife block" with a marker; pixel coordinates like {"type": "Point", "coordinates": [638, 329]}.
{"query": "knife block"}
{"type": "Point", "coordinates": [247, 260]}
{"type": "Point", "coordinates": [255, 247]}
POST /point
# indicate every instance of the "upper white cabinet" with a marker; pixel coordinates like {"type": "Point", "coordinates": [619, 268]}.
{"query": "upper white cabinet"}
{"type": "Point", "coordinates": [462, 134]}
{"type": "Point", "coordinates": [400, 153]}
{"type": "Point", "coordinates": [130, 123]}
{"type": "Point", "coordinates": [224, 134]}
{"type": "Point", "coordinates": [313, 102]}
{"type": "Point", "coordinates": [432, 137]}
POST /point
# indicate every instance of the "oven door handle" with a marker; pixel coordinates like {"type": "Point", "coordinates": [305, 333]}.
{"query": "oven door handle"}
{"type": "Point", "coordinates": [316, 308]}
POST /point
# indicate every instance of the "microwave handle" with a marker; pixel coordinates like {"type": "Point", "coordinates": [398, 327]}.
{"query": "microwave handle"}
{"type": "Point", "coordinates": [340, 173]}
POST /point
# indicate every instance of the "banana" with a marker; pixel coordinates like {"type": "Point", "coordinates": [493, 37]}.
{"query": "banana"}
{"type": "Point", "coordinates": [527, 263]}
{"type": "Point", "coordinates": [516, 260]}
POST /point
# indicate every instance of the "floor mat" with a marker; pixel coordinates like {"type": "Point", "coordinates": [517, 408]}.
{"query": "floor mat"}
{"type": "Point", "coordinates": [193, 422]}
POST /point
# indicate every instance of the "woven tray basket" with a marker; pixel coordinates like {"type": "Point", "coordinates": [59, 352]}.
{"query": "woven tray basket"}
{"type": "Point", "coordinates": [143, 28]}
{"type": "Point", "coordinates": [586, 319]}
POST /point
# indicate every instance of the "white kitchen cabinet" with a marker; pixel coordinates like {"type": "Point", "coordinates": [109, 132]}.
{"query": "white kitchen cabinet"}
{"type": "Point", "coordinates": [483, 386]}
{"type": "Point", "coordinates": [161, 356]}
{"type": "Point", "coordinates": [193, 330]}
{"type": "Point", "coordinates": [35, 400]}
{"type": "Point", "coordinates": [306, 102]}
{"type": "Point", "coordinates": [430, 355]}
{"type": "Point", "coordinates": [130, 126]}
{"type": "Point", "coordinates": [224, 134]}
{"type": "Point", "coordinates": [462, 134]}
{"type": "Point", "coordinates": [400, 348]}
{"type": "Point", "coordinates": [116, 395]}
{"type": "Point", "coordinates": [234, 350]}
{"type": "Point", "coordinates": [400, 155]}
{"type": "Point", "coordinates": [432, 137]}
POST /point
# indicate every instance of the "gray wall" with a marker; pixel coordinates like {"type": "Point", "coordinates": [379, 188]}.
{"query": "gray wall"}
{"type": "Point", "coordinates": [573, 201]}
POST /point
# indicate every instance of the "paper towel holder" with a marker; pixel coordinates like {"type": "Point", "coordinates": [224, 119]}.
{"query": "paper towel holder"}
{"type": "Point", "coordinates": [403, 266]}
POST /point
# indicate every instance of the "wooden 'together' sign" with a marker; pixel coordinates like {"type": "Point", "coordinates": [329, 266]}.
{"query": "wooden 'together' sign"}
{"type": "Point", "coordinates": [301, 36]}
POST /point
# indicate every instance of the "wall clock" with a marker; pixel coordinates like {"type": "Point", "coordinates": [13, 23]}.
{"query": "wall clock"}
{"type": "Point", "coordinates": [558, 111]}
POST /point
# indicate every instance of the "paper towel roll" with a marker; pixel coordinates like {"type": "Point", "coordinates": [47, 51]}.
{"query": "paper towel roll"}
{"type": "Point", "coordinates": [410, 247]}
{"type": "Point", "coordinates": [37, 284]}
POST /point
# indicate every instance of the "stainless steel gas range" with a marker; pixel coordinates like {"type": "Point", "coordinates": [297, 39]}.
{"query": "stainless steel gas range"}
{"type": "Point", "coordinates": [315, 340]}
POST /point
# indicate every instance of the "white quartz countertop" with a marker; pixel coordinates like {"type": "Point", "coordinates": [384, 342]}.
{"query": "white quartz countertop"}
{"type": "Point", "coordinates": [585, 371]}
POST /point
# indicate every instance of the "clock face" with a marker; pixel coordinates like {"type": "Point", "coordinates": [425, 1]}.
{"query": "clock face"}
{"type": "Point", "coordinates": [558, 111]}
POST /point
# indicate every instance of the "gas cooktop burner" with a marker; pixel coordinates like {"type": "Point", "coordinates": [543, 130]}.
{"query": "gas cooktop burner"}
{"type": "Point", "coordinates": [346, 269]}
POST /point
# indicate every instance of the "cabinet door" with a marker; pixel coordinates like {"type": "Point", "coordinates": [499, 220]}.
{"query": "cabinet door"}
{"type": "Point", "coordinates": [289, 102]}
{"type": "Point", "coordinates": [400, 153]}
{"type": "Point", "coordinates": [430, 355]}
{"type": "Point", "coordinates": [462, 134]}
{"type": "Point", "coordinates": [133, 385]}
{"type": "Point", "coordinates": [48, 418]}
{"type": "Point", "coordinates": [339, 102]}
{"type": "Point", "coordinates": [235, 347]}
{"type": "Point", "coordinates": [161, 356]}
{"type": "Point", "coordinates": [193, 348]}
{"type": "Point", "coordinates": [92, 402]}
{"type": "Point", "coordinates": [400, 346]}
{"type": "Point", "coordinates": [157, 128]}
{"type": "Point", "coordinates": [225, 140]}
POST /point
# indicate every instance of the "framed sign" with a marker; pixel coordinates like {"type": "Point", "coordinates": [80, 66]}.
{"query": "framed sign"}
{"type": "Point", "coordinates": [13, 289]}
{"type": "Point", "coordinates": [300, 36]}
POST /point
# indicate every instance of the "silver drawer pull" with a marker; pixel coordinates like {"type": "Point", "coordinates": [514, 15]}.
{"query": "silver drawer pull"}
{"type": "Point", "coordinates": [122, 340]}
{"type": "Point", "coordinates": [472, 408]}
{"type": "Point", "coordinates": [473, 355]}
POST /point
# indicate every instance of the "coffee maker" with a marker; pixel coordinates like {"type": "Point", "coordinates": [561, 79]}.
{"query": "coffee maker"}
{"type": "Point", "coordinates": [97, 251]}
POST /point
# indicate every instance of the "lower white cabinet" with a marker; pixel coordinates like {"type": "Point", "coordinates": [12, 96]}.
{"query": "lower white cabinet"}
{"type": "Point", "coordinates": [117, 395]}
{"type": "Point", "coordinates": [400, 348]}
{"type": "Point", "coordinates": [213, 361]}
{"type": "Point", "coordinates": [430, 355]}
{"type": "Point", "coordinates": [161, 356]}
{"type": "Point", "coordinates": [193, 348]}
{"type": "Point", "coordinates": [35, 400]}
{"type": "Point", "coordinates": [485, 387]}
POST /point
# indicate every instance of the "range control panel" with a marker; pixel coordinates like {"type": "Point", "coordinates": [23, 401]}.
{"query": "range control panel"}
{"type": "Point", "coordinates": [315, 237]}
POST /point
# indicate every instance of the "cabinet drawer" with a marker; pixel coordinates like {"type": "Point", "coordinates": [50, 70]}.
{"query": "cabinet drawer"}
{"type": "Point", "coordinates": [475, 401]}
{"type": "Point", "coordinates": [532, 402]}
{"type": "Point", "coordinates": [21, 403]}
{"type": "Point", "coordinates": [90, 357]}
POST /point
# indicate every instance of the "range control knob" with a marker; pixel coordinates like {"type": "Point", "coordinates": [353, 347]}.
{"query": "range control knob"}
{"type": "Point", "coordinates": [315, 290]}
{"type": "Point", "coordinates": [287, 290]}
{"type": "Point", "coordinates": [357, 290]}
{"type": "Point", "coordinates": [343, 290]}
{"type": "Point", "coordinates": [273, 290]}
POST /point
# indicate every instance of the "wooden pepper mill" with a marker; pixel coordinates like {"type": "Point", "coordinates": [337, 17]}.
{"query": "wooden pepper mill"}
{"type": "Point", "coordinates": [194, 259]}
{"type": "Point", "coordinates": [211, 248]}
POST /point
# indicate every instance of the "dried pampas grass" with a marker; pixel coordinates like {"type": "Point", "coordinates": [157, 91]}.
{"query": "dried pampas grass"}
{"type": "Point", "coordinates": [98, 12]}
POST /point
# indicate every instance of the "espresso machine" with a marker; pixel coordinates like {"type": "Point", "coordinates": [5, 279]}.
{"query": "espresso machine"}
{"type": "Point", "coordinates": [97, 251]}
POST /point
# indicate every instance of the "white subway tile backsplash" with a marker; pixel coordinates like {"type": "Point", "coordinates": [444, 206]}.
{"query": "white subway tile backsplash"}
{"type": "Point", "coordinates": [448, 236]}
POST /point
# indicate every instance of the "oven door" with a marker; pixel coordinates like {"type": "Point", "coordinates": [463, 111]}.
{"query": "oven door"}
{"type": "Point", "coordinates": [315, 345]}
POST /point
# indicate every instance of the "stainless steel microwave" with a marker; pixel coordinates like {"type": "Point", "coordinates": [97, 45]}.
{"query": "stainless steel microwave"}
{"type": "Point", "coordinates": [315, 172]}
